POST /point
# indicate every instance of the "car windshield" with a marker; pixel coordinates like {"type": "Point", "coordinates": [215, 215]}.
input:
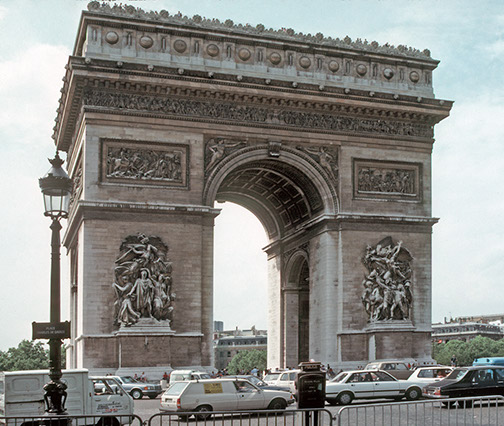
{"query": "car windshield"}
{"type": "Point", "coordinates": [372, 366]}
{"type": "Point", "coordinates": [271, 376]}
{"type": "Point", "coordinates": [457, 374]}
{"type": "Point", "coordinates": [176, 388]}
{"type": "Point", "coordinates": [339, 377]}
{"type": "Point", "coordinates": [128, 379]}
{"type": "Point", "coordinates": [254, 380]}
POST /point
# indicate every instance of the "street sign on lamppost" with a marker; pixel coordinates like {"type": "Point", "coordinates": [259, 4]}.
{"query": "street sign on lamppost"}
{"type": "Point", "coordinates": [56, 187]}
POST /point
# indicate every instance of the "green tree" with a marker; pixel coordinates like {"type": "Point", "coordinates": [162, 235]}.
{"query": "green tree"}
{"type": "Point", "coordinates": [246, 361]}
{"type": "Point", "coordinates": [27, 356]}
{"type": "Point", "coordinates": [467, 352]}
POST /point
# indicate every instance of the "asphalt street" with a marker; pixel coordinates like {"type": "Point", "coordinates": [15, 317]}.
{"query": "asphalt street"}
{"type": "Point", "coordinates": [374, 412]}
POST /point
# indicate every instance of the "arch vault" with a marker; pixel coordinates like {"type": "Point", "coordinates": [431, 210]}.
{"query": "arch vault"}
{"type": "Point", "coordinates": [327, 142]}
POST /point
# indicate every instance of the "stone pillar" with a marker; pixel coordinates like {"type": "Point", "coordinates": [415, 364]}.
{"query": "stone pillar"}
{"type": "Point", "coordinates": [324, 297]}
{"type": "Point", "coordinates": [291, 326]}
{"type": "Point", "coordinates": [275, 314]}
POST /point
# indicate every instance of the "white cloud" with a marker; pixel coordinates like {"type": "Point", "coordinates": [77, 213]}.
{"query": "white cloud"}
{"type": "Point", "coordinates": [30, 89]}
{"type": "Point", "coordinates": [468, 168]}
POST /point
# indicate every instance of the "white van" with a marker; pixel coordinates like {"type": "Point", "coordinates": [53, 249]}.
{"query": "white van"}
{"type": "Point", "coordinates": [204, 396]}
{"type": "Point", "coordinates": [22, 395]}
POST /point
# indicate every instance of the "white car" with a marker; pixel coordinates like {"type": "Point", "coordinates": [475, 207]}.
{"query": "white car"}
{"type": "Point", "coordinates": [205, 396]}
{"type": "Point", "coordinates": [427, 375]}
{"type": "Point", "coordinates": [369, 384]}
{"type": "Point", "coordinates": [284, 380]}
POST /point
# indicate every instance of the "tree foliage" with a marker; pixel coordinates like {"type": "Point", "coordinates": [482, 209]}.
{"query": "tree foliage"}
{"type": "Point", "coordinates": [467, 352]}
{"type": "Point", "coordinates": [244, 361]}
{"type": "Point", "coordinates": [27, 356]}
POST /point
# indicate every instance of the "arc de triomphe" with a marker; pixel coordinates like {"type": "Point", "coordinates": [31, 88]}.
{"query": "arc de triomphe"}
{"type": "Point", "coordinates": [328, 142]}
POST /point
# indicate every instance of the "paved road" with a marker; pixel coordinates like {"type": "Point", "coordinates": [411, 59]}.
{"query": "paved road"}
{"type": "Point", "coordinates": [366, 413]}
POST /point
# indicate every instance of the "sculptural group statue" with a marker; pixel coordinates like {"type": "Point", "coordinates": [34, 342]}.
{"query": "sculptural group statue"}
{"type": "Point", "coordinates": [143, 281]}
{"type": "Point", "coordinates": [387, 288]}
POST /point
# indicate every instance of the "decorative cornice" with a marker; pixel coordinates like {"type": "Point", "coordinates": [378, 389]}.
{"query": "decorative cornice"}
{"type": "Point", "coordinates": [283, 34]}
{"type": "Point", "coordinates": [276, 94]}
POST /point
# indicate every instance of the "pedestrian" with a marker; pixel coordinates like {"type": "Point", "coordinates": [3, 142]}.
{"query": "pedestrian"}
{"type": "Point", "coordinates": [453, 361]}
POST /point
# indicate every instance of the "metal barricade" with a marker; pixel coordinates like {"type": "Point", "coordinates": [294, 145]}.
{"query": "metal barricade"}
{"type": "Point", "coordinates": [301, 417]}
{"type": "Point", "coordinates": [96, 420]}
{"type": "Point", "coordinates": [487, 411]}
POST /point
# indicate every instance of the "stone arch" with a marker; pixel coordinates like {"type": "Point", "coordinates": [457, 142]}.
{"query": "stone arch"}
{"type": "Point", "coordinates": [283, 191]}
{"type": "Point", "coordinates": [296, 306]}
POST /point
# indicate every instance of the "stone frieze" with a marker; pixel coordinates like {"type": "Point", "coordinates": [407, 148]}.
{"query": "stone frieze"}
{"type": "Point", "coordinates": [251, 114]}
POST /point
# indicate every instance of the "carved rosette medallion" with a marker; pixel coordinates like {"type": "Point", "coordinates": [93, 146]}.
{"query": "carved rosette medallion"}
{"type": "Point", "coordinates": [143, 282]}
{"type": "Point", "coordinates": [144, 163]}
{"type": "Point", "coordinates": [216, 149]}
{"type": "Point", "coordinates": [326, 157]}
{"type": "Point", "coordinates": [387, 180]}
{"type": "Point", "coordinates": [387, 291]}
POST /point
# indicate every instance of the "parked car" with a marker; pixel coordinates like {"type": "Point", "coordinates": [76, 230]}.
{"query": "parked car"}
{"type": "Point", "coordinates": [205, 396]}
{"type": "Point", "coordinates": [396, 368]}
{"type": "Point", "coordinates": [488, 361]}
{"type": "Point", "coordinates": [185, 375]}
{"type": "Point", "coordinates": [284, 380]}
{"type": "Point", "coordinates": [256, 381]}
{"type": "Point", "coordinates": [466, 382]}
{"type": "Point", "coordinates": [136, 389]}
{"type": "Point", "coordinates": [369, 384]}
{"type": "Point", "coordinates": [429, 374]}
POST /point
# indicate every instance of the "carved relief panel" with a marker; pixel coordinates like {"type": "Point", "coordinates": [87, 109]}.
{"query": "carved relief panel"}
{"type": "Point", "coordinates": [387, 287]}
{"type": "Point", "coordinates": [387, 180]}
{"type": "Point", "coordinates": [144, 163]}
{"type": "Point", "coordinates": [143, 281]}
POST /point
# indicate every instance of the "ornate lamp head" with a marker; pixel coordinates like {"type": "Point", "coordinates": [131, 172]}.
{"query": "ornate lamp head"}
{"type": "Point", "coordinates": [56, 187]}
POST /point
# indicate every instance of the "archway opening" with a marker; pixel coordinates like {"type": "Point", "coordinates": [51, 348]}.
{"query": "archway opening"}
{"type": "Point", "coordinates": [285, 195]}
{"type": "Point", "coordinates": [240, 269]}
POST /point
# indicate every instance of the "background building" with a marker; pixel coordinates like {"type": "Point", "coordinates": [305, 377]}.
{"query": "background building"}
{"type": "Point", "coordinates": [467, 328]}
{"type": "Point", "coordinates": [228, 343]}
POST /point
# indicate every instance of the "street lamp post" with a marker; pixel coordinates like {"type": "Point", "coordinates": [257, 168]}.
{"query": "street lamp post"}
{"type": "Point", "coordinates": [56, 187]}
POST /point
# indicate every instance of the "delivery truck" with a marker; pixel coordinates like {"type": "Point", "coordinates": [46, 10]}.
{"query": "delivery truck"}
{"type": "Point", "coordinates": [22, 395]}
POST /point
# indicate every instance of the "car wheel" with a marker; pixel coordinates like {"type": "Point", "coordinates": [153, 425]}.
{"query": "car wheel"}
{"type": "Point", "coordinates": [345, 398]}
{"type": "Point", "coordinates": [277, 404]}
{"type": "Point", "coordinates": [332, 401]}
{"type": "Point", "coordinates": [204, 411]}
{"type": "Point", "coordinates": [136, 394]}
{"type": "Point", "coordinates": [413, 394]}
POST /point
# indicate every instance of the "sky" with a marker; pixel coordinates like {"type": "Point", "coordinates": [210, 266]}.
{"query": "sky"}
{"type": "Point", "coordinates": [36, 38]}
